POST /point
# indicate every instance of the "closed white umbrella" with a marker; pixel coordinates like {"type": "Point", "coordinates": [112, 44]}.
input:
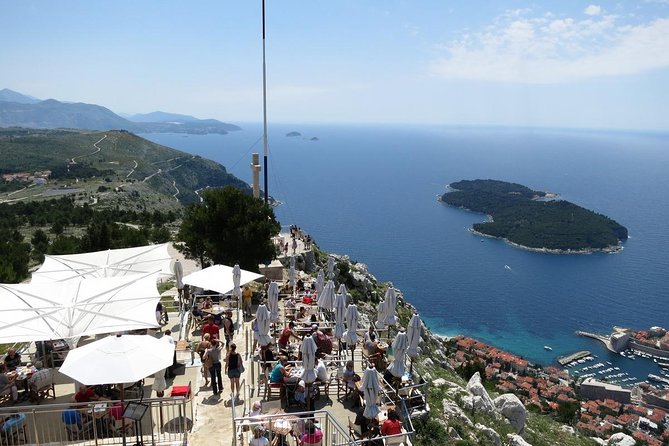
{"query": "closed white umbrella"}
{"type": "Point", "coordinates": [340, 315]}
{"type": "Point", "coordinates": [371, 389]}
{"type": "Point", "coordinates": [331, 265]}
{"type": "Point", "coordinates": [400, 344]}
{"type": "Point", "coordinates": [179, 275]}
{"type": "Point", "coordinates": [381, 315]}
{"type": "Point", "coordinates": [308, 350]}
{"type": "Point", "coordinates": [413, 335]}
{"type": "Point", "coordinates": [236, 282]}
{"type": "Point", "coordinates": [327, 297]}
{"type": "Point", "coordinates": [118, 359]}
{"type": "Point", "coordinates": [320, 281]}
{"type": "Point", "coordinates": [273, 301]}
{"type": "Point", "coordinates": [351, 336]}
{"type": "Point", "coordinates": [391, 303]}
{"type": "Point", "coordinates": [291, 273]}
{"type": "Point", "coordinates": [262, 317]}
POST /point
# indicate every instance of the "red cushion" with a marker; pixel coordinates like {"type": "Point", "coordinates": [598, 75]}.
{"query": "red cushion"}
{"type": "Point", "coordinates": [180, 391]}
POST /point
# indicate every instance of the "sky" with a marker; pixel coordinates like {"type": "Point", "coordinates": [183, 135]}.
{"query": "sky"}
{"type": "Point", "coordinates": [563, 63]}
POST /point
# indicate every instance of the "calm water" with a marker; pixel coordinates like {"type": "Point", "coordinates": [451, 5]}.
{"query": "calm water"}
{"type": "Point", "coordinates": [370, 192]}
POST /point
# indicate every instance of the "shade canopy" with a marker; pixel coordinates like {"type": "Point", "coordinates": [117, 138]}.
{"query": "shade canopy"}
{"type": "Point", "coordinates": [370, 389]}
{"type": "Point", "coordinates": [77, 307]}
{"type": "Point", "coordinates": [308, 350]}
{"type": "Point", "coordinates": [273, 301]}
{"type": "Point", "coordinates": [219, 278]}
{"type": "Point", "coordinates": [413, 335]}
{"type": "Point", "coordinates": [118, 359]}
{"type": "Point", "coordinates": [109, 263]}
{"type": "Point", "coordinates": [400, 344]}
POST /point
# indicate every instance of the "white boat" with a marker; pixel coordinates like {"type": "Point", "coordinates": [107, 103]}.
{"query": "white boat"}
{"type": "Point", "coordinates": [546, 347]}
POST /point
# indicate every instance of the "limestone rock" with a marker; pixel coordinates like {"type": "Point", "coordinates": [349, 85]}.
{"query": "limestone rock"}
{"type": "Point", "coordinates": [427, 362]}
{"type": "Point", "coordinates": [568, 429]}
{"type": "Point", "coordinates": [513, 410]}
{"type": "Point", "coordinates": [621, 439]}
{"type": "Point", "coordinates": [453, 411]}
{"type": "Point", "coordinates": [599, 441]}
{"type": "Point", "coordinates": [490, 434]}
{"type": "Point", "coordinates": [453, 434]}
{"type": "Point", "coordinates": [516, 440]}
{"type": "Point", "coordinates": [481, 400]}
{"type": "Point", "coordinates": [439, 382]}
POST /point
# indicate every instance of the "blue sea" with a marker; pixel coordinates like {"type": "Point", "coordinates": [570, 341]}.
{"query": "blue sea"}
{"type": "Point", "coordinates": [371, 192]}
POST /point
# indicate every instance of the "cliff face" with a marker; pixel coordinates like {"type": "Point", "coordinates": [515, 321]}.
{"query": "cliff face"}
{"type": "Point", "coordinates": [462, 412]}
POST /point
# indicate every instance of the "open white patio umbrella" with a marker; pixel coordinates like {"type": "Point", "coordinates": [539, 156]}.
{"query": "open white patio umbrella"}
{"type": "Point", "coordinates": [118, 359]}
{"type": "Point", "coordinates": [219, 278]}
{"type": "Point", "coordinates": [326, 298]}
{"type": "Point", "coordinates": [308, 350]}
{"type": "Point", "coordinates": [370, 389]}
{"type": "Point", "coordinates": [381, 315]}
{"type": "Point", "coordinates": [351, 335]}
{"type": "Point", "coordinates": [73, 308]}
{"type": "Point", "coordinates": [391, 303]}
{"type": "Point", "coordinates": [400, 344]}
{"type": "Point", "coordinates": [292, 275]}
{"type": "Point", "coordinates": [273, 301]}
{"type": "Point", "coordinates": [109, 263]}
{"type": "Point", "coordinates": [262, 317]}
{"type": "Point", "coordinates": [320, 281]}
{"type": "Point", "coordinates": [331, 266]}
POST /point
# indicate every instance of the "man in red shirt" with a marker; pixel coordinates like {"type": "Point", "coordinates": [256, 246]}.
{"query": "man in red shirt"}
{"type": "Point", "coordinates": [210, 328]}
{"type": "Point", "coordinates": [392, 426]}
{"type": "Point", "coordinates": [286, 334]}
{"type": "Point", "coordinates": [85, 395]}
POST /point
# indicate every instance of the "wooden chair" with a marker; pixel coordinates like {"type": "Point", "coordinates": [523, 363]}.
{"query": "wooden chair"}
{"type": "Point", "coordinates": [37, 395]}
{"type": "Point", "coordinates": [399, 440]}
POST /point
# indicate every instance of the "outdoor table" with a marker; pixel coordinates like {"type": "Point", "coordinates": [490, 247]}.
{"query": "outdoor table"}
{"type": "Point", "coordinates": [297, 372]}
{"type": "Point", "coordinates": [282, 426]}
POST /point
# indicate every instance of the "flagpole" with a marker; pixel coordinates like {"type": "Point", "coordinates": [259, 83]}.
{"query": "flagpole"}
{"type": "Point", "coordinates": [264, 103]}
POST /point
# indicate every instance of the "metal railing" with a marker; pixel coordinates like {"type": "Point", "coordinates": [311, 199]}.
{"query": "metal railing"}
{"type": "Point", "coordinates": [164, 421]}
{"type": "Point", "coordinates": [290, 425]}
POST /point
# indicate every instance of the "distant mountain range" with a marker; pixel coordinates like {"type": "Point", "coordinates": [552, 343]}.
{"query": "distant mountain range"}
{"type": "Point", "coordinates": [19, 110]}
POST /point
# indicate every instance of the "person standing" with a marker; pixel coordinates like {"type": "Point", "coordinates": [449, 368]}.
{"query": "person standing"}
{"type": "Point", "coordinates": [167, 337]}
{"type": "Point", "coordinates": [214, 355]}
{"type": "Point", "coordinates": [234, 368]}
{"type": "Point", "coordinates": [247, 299]}
{"type": "Point", "coordinates": [228, 329]}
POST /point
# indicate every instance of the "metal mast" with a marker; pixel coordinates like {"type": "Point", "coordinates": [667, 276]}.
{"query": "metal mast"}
{"type": "Point", "coordinates": [264, 103]}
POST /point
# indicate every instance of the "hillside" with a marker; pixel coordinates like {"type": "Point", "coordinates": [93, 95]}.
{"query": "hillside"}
{"type": "Point", "coordinates": [18, 110]}
{"type": "Point", "coordinates": [522, 216]}
{"type": "Point", "coordinates": [106, 168]}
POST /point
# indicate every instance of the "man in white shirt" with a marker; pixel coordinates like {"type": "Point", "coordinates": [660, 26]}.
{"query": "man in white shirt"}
{"type": "Point", "coordinates": [321, 371]}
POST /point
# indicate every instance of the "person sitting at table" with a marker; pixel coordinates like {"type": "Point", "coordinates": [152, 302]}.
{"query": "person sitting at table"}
{"type": "Point", "coordinates": [41, 378]}
{"type": "Point", "coordinates": [13, 359]}
{"type": "Point", "coordinates": [302, 392]}
{"type": "Point", "coordinates": [308, 299]}
{"type": "Point", "coordinates": [323, 342]}
{"type": "Point", "coordinates": [312, 434]}
{"type": "Point", "coordinates": [370, 334]}
{"type": "Point", "coordinates": [259, 438]}
{"type": "Point", "coordinates": [72, 417]}
{"type": "Point", "coordinates": [290, 303]}
{"type": "Point", "coordinates": [85, 395]}
{"type": "Point", "coordinates": [207, 303]}
{"type": "Point", "coordinates": [211, 328]}
{"type": "Point", "coordinates": [321, 371]}
{"type": "Point", "coordinates": [7, 384]}
{"type": "Point", "coordinates": [256, 409]}
{"type": "Point", "coordinates": [349, 376]}
{"type": "Point", "coordinates": [286, 334]}
{"type": "Point", "coordinates": [281, 372]}
{"type": "Point", "coordinates": [393, 425]}
{"type": "Point", "coordinates": [300, 285]}
{"type": "Point", "coordinates": [366, 427]}
{"type": "Point", "coordinates": [301, 313]}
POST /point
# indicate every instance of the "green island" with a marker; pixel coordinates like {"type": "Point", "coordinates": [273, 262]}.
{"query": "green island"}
{"type": "Point", "coordinates": [535, 219]}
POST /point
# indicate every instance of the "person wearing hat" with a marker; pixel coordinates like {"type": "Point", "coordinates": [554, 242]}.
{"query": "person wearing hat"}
{"type": "Point", "coordinates": [259, 438]}
{"type": "Point", "coordinates": [256, 409]}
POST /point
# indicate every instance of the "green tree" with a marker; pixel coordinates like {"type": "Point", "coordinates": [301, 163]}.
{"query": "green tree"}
{"type": "Point", "coordinates": [40, 242]}
{"type": "Point", "coordinates": [14, 256]}
{"type": "Point", "coordinates": [229, 227]}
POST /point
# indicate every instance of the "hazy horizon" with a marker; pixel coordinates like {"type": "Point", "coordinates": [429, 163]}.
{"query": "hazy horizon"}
{"type": "Point", "coordinates": [575, 64]}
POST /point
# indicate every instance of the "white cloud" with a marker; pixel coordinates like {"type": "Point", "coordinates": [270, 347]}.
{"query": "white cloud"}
{"type": "Point", "coordinates": [547, 50]}
{"type": "Point", "coordinates": [593, 10]}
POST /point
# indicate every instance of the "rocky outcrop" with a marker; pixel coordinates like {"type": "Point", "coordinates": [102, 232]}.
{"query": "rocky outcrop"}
{"type": "Point", "coordinates": [478, 398]}
{"type": "Point", "coordinates": [513, 410]}
{"type": "Point", "coordinates": [489, 434]}
{"type": "Point", "coordinates": [516, 440]}
{"type": "Point", "coordinates": [621, 439]}
{"type": "Point", "coordinates": [453, 412]}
